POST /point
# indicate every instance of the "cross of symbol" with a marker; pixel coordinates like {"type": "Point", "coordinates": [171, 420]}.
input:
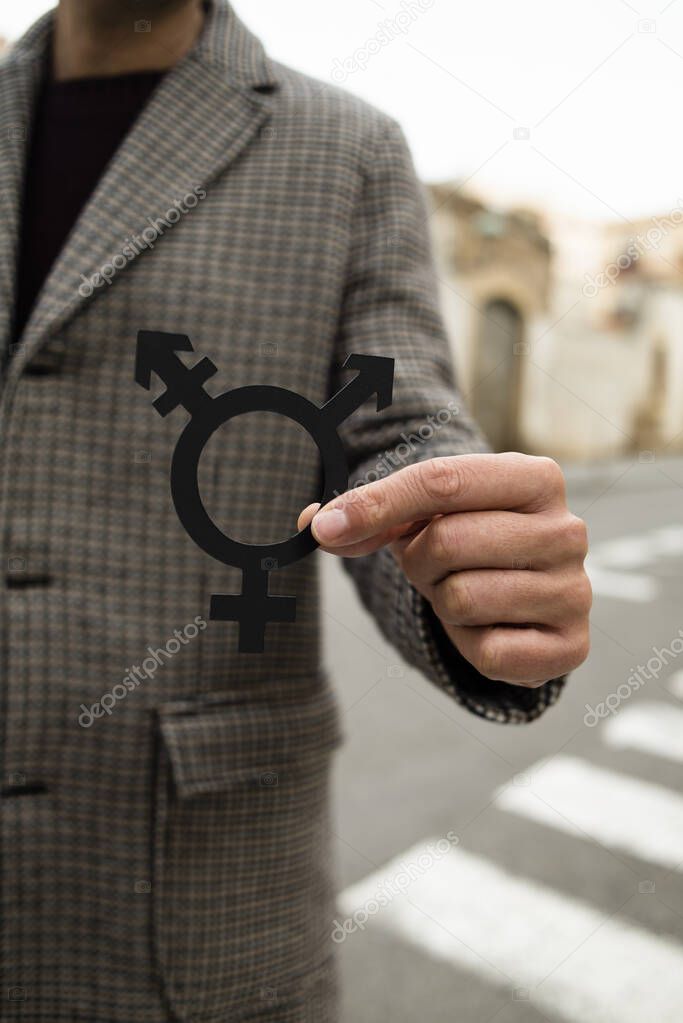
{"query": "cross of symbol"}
{"type": "Point", "coordinates": [252, 608]}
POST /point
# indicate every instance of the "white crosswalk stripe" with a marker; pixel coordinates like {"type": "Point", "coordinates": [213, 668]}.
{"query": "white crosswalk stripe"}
{"type": "Point", "coordinates": [675, 684]}
{"type": "Point", "coordinates": [622, 813]}
{"type": "Point", "coordinates": [635, 587]}
{"type": "Point", "coordinates": [611, 563]}
{"type": "Point", "coordinates": [653, 728]}
{"type": "Point", "coordinates": [576, 962]}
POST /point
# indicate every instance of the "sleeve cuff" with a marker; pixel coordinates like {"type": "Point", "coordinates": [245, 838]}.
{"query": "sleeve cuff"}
{"type": "Point", "coordinates": [496, 701]}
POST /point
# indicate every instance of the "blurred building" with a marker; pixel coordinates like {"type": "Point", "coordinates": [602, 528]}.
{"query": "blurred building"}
{"type": "Point", "coordinates": [568, 335]}
{"type": "Point", "coordinates": [494, 271]}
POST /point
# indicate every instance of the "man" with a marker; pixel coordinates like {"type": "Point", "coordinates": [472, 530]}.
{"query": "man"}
{"type": "Point", "coordinates": [164, 804]}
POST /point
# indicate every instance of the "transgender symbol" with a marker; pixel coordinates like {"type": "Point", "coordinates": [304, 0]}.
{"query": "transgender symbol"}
{"type": "Point", "coordinates": [254, 607]}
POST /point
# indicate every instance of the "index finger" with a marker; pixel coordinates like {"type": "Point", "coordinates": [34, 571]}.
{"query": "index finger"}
{"type": "Point", "coordinates": [508, 482]}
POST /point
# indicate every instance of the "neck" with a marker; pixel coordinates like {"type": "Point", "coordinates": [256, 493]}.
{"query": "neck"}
{"type": "Point", "coordinates": [94, 39]}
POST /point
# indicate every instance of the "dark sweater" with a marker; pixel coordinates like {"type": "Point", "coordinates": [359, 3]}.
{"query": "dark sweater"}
{"type": "Point", "coordinates": [77, 127]}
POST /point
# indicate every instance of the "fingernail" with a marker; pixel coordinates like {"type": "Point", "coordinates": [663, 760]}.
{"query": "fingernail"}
{"type": "Point", "coordinates": [330, 525]}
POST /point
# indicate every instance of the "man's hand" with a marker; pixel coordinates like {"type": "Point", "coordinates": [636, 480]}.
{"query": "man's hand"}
{"type": "Point", "coordinates": [489, 541]}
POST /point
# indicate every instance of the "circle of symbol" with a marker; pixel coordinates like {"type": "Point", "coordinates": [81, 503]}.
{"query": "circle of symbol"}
{"type": "Point", "coordinates": [185, 466]}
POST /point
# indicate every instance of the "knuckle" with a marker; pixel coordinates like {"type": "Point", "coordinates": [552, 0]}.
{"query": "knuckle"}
{"type": "Point", "coordinates": [550, 474]}
{"type": "Point", "coordinates": [490, 659]}
{"type": "Point", "coordinates": [576, 535]}
{"type": "Point", "coordinates": [459, 600]}
{"type": "Point", "coordinates": [531, 683]}
{"type": "Point", "coordinates": [564, 536]}
{"type": "Point", "coordinates": [520, 460]}
{"type": "Point", "coordinates": [534, 672]}
{"type": "Point", "coordinates": [366, 505]}
{"type": "Point", "coordinates": [580, 646]}
{"type": "Point", "coordinates": [441, 478]}
{"type": "Point", "coordinates": [584, 594]}
{"type": "Point", "coordinates": [440, 540]}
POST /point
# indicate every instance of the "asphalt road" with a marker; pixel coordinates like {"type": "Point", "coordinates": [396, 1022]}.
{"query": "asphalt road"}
{"type": "Point", "coordinates": [559, 895]}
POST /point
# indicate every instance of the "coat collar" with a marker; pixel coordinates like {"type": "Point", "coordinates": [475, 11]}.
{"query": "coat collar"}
{"type": "Point", "coordinates": [203, 113]}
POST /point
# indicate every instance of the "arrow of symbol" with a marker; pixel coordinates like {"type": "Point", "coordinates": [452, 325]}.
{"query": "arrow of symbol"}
{"type": "Point", "coordinates": [375, 376]}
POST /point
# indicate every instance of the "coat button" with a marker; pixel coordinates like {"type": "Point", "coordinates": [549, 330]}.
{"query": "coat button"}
{"type": "Point", "coordinates": [19, 784]}
{"type": "Point", "coordinates": [41, 369]}
{"type": "Point", "coordinates": [21, 573]}
{"type": "Point", "coordinates": [47, 361]}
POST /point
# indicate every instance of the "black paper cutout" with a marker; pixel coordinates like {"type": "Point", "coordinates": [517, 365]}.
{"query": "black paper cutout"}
{"type": "Point", "coordinates": [254, 607]}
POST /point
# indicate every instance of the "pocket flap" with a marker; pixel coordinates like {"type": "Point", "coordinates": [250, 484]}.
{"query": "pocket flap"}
{"type": "Point", "coordinates": [218, 745]}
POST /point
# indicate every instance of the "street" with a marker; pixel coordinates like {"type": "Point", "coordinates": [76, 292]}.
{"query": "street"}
{"type": "Point", "coordinates": [523, 873]}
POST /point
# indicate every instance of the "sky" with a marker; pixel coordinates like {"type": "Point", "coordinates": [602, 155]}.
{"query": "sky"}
{"type": "Point", "coordinates": [574, 107]}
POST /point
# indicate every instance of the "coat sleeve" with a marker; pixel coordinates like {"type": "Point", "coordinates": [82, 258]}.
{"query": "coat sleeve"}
{"type": "Point", "coordinates": [390, 307]}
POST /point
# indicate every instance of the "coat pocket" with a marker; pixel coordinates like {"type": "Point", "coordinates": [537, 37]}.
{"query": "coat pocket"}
{"type": "Point", "coordinates": [241, 883]}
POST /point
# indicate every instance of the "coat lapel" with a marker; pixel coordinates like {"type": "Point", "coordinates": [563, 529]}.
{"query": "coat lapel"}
{"type": "Point", "coordinates": [200, 117]}
{"type": "Point", "coordinates": [19, 80]}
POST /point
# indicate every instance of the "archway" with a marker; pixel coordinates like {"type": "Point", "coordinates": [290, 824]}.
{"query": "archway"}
{"type": "Point", "coordinates": [495, 389]}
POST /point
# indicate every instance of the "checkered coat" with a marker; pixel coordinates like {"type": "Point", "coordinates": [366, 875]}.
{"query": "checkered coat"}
{"type": "Point", "coordinates": [168, 860]}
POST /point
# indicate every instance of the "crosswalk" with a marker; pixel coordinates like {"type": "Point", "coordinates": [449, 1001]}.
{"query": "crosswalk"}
{"type": "Point", "coordinates": [675, 684]}
{"type": "Point", "coordinates": [648, 727]}
{"type": "Point", "coordinates": [573, 960]}
{"type": "Point", "coordinates": [612, 809]}
{"type": "Point", "coordinates": [622, 568]}
{"type": "Point", "coordinates": [577, 962]}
